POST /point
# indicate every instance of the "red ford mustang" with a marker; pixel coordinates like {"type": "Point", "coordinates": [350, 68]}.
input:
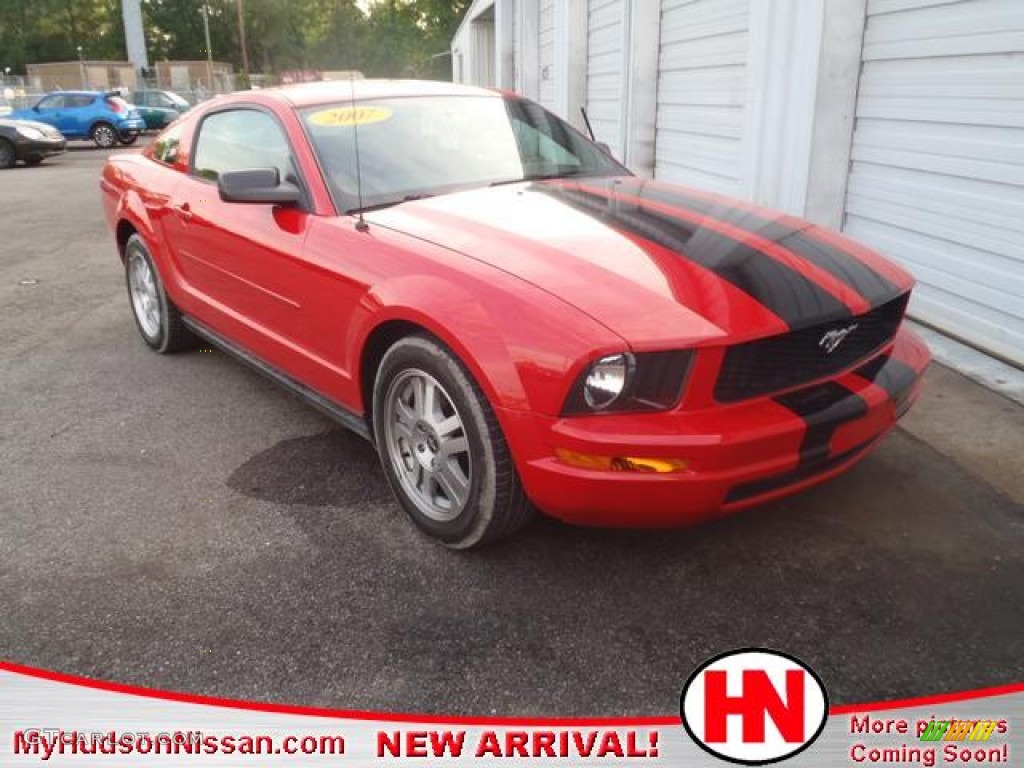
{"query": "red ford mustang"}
{"type": "Point", "coordinates": [512, 318]}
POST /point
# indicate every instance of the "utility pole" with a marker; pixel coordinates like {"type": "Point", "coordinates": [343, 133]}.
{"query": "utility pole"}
{"type": "Point", "coordinates": [134, 35]}
{"type": "Point", "coordinates": [209, 51]}
{"type": "Point", "coordinates": [241, 40]}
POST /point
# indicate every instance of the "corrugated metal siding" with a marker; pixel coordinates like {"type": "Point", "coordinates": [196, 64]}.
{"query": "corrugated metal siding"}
{"type": "Point", "coordinates": [701, 92]}
{"type": "Point", "coordinates": [937, 178]}
{"type": "Point", "coordinates": [605, 71]}
{"type": "Point", "coordinates": [546, 52]}
{"type": "Point", "coordinates": [516, 35]}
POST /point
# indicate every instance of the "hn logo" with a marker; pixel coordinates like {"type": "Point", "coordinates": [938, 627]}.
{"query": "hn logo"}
{"type": "Point", "coordinates": [754, 706]}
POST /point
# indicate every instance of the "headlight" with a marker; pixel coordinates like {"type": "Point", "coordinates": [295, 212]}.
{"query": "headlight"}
{"type": "Point", "coordinates": [606, 380]}
{"type": "Point", "coordinates": [31, 133]}
{"type": "Point", "coordinates": [646, 381]}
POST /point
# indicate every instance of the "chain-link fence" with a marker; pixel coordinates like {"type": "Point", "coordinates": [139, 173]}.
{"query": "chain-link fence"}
{"type": "Point", "coordinates": [16, 93]}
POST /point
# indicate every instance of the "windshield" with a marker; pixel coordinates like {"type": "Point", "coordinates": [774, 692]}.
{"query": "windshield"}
{"type": "Point", "coordinates": [421, 146]}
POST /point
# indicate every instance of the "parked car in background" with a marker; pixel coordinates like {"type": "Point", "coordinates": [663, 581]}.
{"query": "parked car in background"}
{"type": "Point", "coordinates": [104, 117]}
{"type": "Point", "coordinates": [159, 108]}
{"type": "Point", "coordinates": [507, 313]}
{"type": "Point", "coordinates": [28, 141]}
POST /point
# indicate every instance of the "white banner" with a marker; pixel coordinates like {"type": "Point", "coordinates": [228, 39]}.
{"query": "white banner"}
{"type": "Point", "coordinates": [47, 719]}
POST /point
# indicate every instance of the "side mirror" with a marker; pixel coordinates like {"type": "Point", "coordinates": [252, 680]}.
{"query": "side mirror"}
{"type": "Point", "coordinates": [257, 185]}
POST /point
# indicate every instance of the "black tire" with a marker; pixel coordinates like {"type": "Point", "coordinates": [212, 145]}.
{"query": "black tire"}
{"type": "Point", "coordinates": [33, 160]}
{"type": "Point", "coordinates": [496, 505]}
{"type": "Point", "coordinates": [171, 335]}
{"type": "Point", "coordinates": [128, 139]}
{"type": "Point", "coordinates": [103, 135]}
{"type": "Point", "coordinates": [7, 155]}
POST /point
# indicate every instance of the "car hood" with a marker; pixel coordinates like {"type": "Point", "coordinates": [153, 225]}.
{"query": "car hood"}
{"type": "Point", "coordinates": [13, 122]}
{"type": "Point", "coordinates": [659, 264]}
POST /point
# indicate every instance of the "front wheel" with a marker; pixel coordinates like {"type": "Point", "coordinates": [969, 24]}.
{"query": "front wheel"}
{"type": "Point", "coordinates": [442, 449]}
{"type": "Point", "coordinates": [7, 155]}
{"type": "Point", "coordinates": [103, 135]}
{"type": "Point", "coordinates": [128, 138]}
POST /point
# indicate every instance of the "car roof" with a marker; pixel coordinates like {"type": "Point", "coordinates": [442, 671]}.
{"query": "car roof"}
{"type": "Point", "coordinates": [74, 93]}
{"type": "Point", "coordinates": [330, 91]}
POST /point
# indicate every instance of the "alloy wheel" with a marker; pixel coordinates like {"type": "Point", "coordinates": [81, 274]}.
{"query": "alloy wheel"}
{"type": "Point", "coordinates": [104, 136]}
{"type": "Point", "coordinates": [145, 299]}
{"type": "Point", "coordinates": [427, 445]}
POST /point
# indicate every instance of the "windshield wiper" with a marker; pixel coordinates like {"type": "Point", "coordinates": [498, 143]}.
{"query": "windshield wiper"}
{"type": "Point", "coordinates": [541, 177]}
{"type": "Point", "coordinates": [388, 204]}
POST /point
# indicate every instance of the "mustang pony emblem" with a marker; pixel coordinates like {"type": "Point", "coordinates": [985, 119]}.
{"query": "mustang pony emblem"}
{"type": "Point", "coordinates": [831, 340]}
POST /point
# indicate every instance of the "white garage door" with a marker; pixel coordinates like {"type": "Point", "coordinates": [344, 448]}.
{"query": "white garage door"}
{"type": "Point", "coordinates": [701, 92]}
{"type": "Point", "coordinates": [605, 72]}
{"type": "Point", "coordinates": [546, 53]}
{"type": "Point", "coordinates": [937, 179]}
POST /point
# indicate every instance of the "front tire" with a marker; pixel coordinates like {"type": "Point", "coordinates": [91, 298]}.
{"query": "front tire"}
{"type": "Point", "coordinates": [128, 138]}
{"type": "Point", "coordinates": [442, 449]}
{"type": "Point", "coordinates": [158, 319]}
{"type": "Point", "coordinates": [33, 161]}
{"type": "Point", "coordinates": [7, 155]}
{"type": "Point", "coordinates": [103, 135]}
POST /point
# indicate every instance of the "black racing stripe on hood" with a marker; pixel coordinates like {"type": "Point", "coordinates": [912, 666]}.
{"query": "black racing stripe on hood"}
{"type": "Point", "coordinates": [791, 296]}
{"type": "Point", "coordinates": [854, 273]}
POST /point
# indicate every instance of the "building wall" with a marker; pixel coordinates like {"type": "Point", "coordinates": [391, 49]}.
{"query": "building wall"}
{"type": "Point", "coordinates": [188, 75]}
{"type": "Point", "coordinates": [702, 92]}
{"type": "Point", "coordinates": [76, 75]}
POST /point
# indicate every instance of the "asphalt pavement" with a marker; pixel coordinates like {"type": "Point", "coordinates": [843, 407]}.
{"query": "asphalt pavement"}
{"type": "Point", "coordinates": [178, 522]}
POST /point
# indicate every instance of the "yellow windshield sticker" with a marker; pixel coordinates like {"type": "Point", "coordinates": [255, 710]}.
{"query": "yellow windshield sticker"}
{"type": "Point", "coordinates": [343, 116]}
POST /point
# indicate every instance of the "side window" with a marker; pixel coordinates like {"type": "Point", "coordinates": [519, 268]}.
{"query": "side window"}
{"type": "Point", "coordinates": [51, 102]}
{"type": "Point", "coordinates": [540, 149]}
{"type": "Point", "coordinates": [167, 144]}
{"type": "Point", "coordinates": [240, 139]}
{"type": "Point", "coordinates": [160, 100]}
{"type": "Point", "coordinates": [78, 100]}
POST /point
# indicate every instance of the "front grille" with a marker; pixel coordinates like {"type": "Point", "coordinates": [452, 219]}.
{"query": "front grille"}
{"type": "Point", "coordinates": [789, 360]}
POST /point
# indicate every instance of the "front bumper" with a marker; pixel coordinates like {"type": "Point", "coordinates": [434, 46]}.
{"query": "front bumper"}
{"type": "Point", "coordinates": [739, 454]}
{"type": "Point", "coordinates": [28, 148]}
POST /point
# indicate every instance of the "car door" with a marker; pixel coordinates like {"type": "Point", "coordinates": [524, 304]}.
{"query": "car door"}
{"type": "Point", "coordinates": [78, 114]}
{"type": "Point", "coordinates": [162, 108]}
{"type": "Point", "coordinates": [50, 110]}
{"type": "Point", "coordinates": [243, 261]}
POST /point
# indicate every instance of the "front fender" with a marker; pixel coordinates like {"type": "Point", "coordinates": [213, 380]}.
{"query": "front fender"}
{"type": "Point", "coordinates": [523, 346]}
{"type": "Point", "coordinates": [454, 316]}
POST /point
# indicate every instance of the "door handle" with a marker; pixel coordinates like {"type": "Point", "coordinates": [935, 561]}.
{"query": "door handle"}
{"type": "Point", "coordinates": [185, 211]}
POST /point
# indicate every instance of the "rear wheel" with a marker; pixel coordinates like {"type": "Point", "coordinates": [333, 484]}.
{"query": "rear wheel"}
{"type": "Point", "coordinates": [7, 156]}
{"type": "Point", "coordinates": [158, 319]}
{"type": "Point", "coordinates": [103, 135]}
{"type": "Point", "coordinates": [442, 448]}
{"type": "Point", "coordinates": [33, 160]}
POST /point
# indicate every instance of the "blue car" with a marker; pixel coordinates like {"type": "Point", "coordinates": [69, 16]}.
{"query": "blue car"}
{"type": "Point", "coordinates": [105, 118]}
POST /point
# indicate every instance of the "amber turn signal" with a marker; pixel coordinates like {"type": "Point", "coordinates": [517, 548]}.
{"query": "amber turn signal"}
{"type": "Point", "coordinates": [620, 463]}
